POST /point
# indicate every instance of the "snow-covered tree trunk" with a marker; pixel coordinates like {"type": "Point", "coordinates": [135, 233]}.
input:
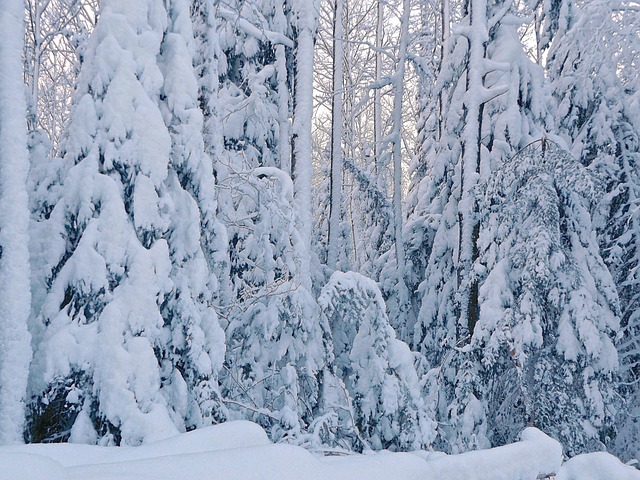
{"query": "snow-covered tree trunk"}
{"type": "Point", "coordinates": [305, 18]}
{"type": "Point", "coordinates": [335, 204]}
{"type": "Point", "coordinates": [377, 99]}
{"type": "Point", "coordinates": [15, 296]}
{"type": "Point", "coordinates": [477, 35]}
{"type": "Point", "coordinates": [401, 293]}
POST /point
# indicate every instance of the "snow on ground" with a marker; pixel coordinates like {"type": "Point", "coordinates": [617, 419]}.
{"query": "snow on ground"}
{"type": "Point", "coordinates": [535, 456]}
{"type": "Point", "coordinates": [221, 437]}
{"type": "Point", "coordinates": [241, 451]}
{"type": "Point", "coordinates": [597, 466]}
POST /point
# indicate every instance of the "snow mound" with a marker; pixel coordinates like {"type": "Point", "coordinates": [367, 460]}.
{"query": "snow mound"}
{"type": "Point", "coordinates": [596, 466]}
{"type": "Point", "coordinates": [241, 451]}
{"type": "Point", "coordinates": [230, 435]}
{"type": "Point", "coordinates": [535, 456]}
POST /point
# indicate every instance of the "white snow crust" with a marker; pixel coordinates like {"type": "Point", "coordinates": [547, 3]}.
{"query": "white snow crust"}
{"type": "Point", "coordinates": [241, 450]}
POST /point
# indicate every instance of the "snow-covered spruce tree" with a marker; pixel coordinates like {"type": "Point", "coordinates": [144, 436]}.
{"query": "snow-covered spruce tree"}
{"type": "Point", "coordinates": [130, 346]}
{"type": "Point", "coordinates": [373, 213]}
{"type": "Point", "coordinates": [548, 305]}
{"type": "Point", "coordinates": [195, 235]}
{"type": "Point", "coordinates": [251, 41]}
{"type": "Point", "coordinates": [15, 297]}
{"type": "Point", "coordinates": [44, 186]}
{"type": "Point", "coordinates": [492, 102]}
{"type": "Point", "coordinates": [436, 71]}
{"type": "Point", "coordinates": [207, 55]}
{"type": "Point", "coordinates": [276, 347]}
{"type": "Point", "coordinates": [552, 17]}
{"type": "Point", "coordinates": [594, 88]}
{"type": "Point", "coordinates": [377, 368]}
{"type": "Point", "coordinates": [244, 94]}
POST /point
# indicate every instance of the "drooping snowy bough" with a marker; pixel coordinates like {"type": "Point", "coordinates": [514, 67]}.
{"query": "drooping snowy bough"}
{"type": "Point", "coordinates": [548, 305]}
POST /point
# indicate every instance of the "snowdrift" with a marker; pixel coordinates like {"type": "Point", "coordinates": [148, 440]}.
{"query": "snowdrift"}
{"type": "Point", "coordinates": [241, 451]}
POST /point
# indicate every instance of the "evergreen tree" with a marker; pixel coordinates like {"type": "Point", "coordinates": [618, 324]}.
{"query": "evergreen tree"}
{"type": "Point", "coordinates": [130, 346]}
{"type": "Point", "coordinates": [377, 368]}
{"type": "Point", "coordinates": [548, 305]}
{"type": "Point", "coordinates": [277, 348]}
{"type": "Point", "coordinates": [197, 343]}
{"type": "Point", "coordinates": [206, 59]}
{"type": "Point", "coordinates": [595, 89]}
{"type": "Point", "coordinates": [492, 103]}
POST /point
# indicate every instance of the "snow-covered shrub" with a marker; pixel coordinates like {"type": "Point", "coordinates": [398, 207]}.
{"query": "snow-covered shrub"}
{"type": "Point", "coordinates": [276, 347]}
{"type": "Point", "coordinates": [377, 368]}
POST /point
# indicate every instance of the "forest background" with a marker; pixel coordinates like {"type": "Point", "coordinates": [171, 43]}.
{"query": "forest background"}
{"type": "Point", "coordinates": [363, 225]}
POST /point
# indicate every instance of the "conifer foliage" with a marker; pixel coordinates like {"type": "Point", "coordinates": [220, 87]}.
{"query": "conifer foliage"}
{"type": "Point", "coordinates": [130, 346]}
{"type": "Point", "coordinates": [377, 368]}
{"type": "Point", "coordinates": [548, 305]}
{"type": "Point", "coordinates": [594, 89]}
{"type": "Point", "coordinates": [165, 278]}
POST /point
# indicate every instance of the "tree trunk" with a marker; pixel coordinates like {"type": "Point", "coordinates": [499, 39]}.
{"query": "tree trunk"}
{"type": "Point", "coordinates": [15, 289]}
{"type": "Point", "coordinates": [401, 287]}
{"type": "Point", "coordinates": [302, 115]}
{"type": "Point", "coordinates": [336, 139]}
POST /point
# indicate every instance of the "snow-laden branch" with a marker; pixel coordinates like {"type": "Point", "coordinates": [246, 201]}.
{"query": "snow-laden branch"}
{"type": "Point", "coordinates": [250, 29]}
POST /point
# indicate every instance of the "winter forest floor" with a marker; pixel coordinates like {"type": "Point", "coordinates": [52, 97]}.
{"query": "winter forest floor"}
{"type": "Point", "coordinates": [241, 450]}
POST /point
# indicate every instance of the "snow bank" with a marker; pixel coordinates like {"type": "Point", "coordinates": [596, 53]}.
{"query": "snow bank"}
{"type": "Point", "coordinates": [597, 466]}
{"type": "Point", "coordinates": [535, 456]}
{"type": "Point", "coordinates": [220, 437]}
{"type": "Point", "coordinates": [241, 451]}
{"type": "Point", "coordinates": [271, 462]}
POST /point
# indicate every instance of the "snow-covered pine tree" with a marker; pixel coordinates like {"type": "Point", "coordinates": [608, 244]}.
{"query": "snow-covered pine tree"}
{"type": "Point", "coordinates": [130, 346]}
{"type": "Point", "coordinates": [431, 42]}
{"type": "Point", "coordinates": [44, 186]}
{"type": "Point", "coordinates": [594, 89]}
{"type": "Point", "coordinates": [250, 35]}
{"type": "Point", "coordinates": [552, 17]}
{"type": "Point", "coordinates": [548, 305]}
{"type": "Point", "coordinates": [372, 212]}
{"type": "Point", "coordinates": [15, 291]}
{"type": "Point", "coordinates": [244, 94]}
{"type": "Point", "coordinates": [276, 348]}
{"type": "Point", "coordinates": [207, 57]}
{"type": "Point", "coordinates": [377, 368]}
{"type": "Point", "coordinates": [492, 102]}
{"type": "Point", "coordinates": [196, 348]}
